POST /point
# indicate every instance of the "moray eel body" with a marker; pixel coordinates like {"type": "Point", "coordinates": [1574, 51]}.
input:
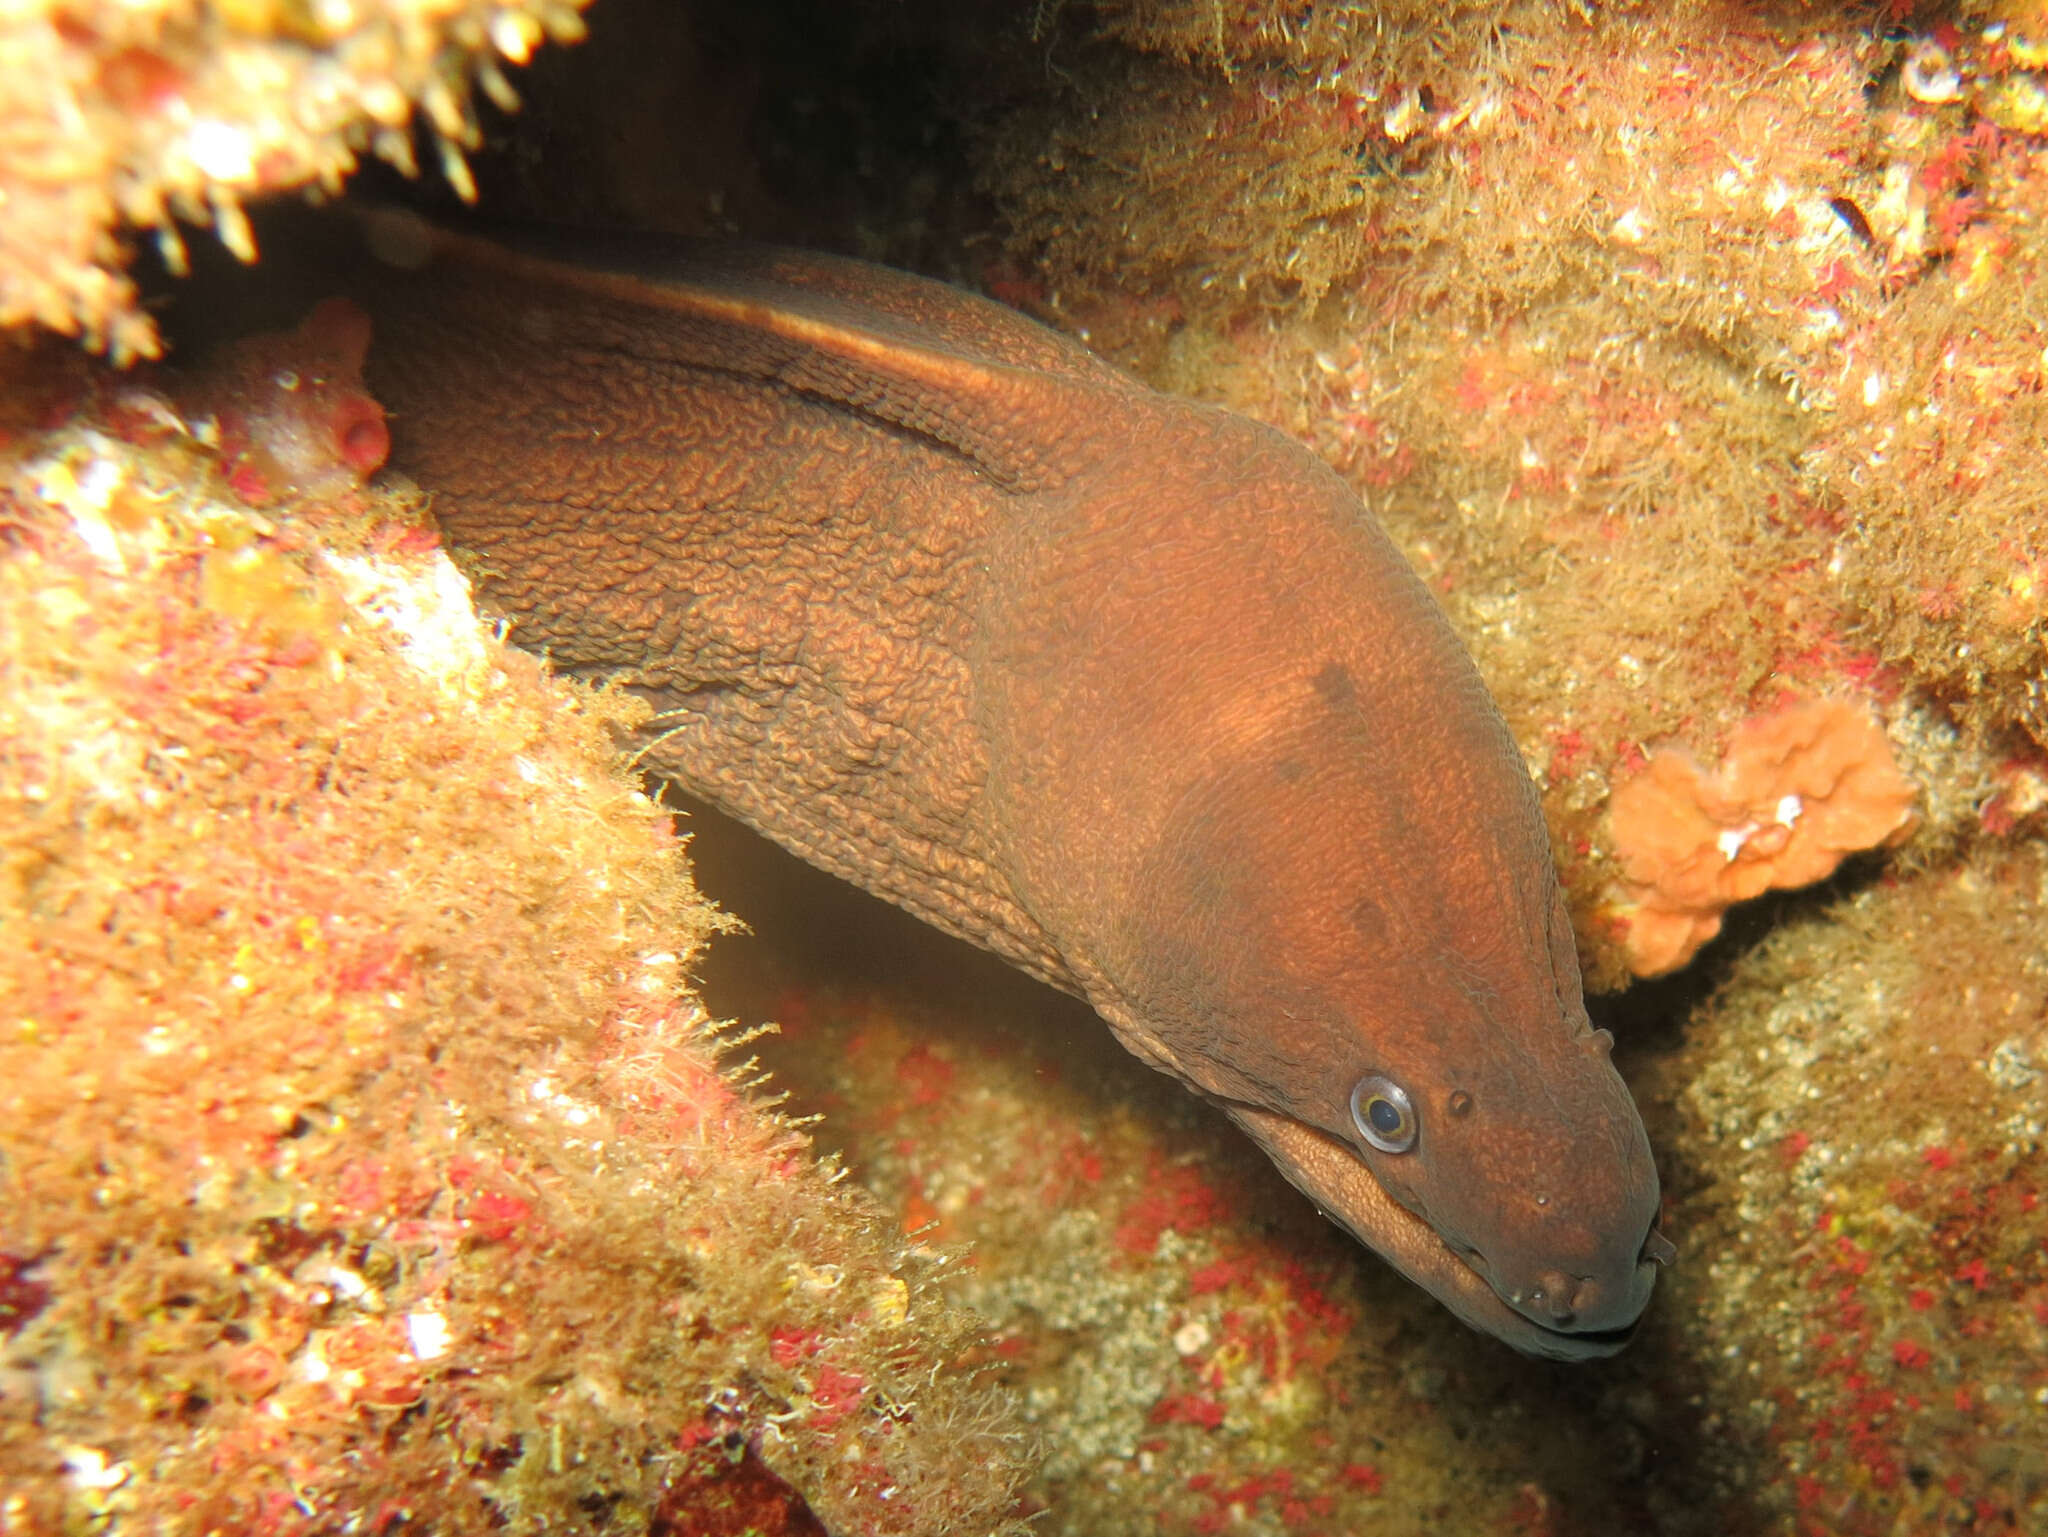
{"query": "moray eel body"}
{"type": "Point", "coordinates": [1129, 690]}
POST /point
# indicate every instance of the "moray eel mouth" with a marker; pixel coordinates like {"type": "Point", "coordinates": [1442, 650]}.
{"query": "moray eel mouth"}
{"type": "Point", "coordinates": [1329, 1173]}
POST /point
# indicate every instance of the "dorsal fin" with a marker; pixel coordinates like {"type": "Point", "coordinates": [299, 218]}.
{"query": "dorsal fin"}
{"type": "Point", "coordinates": [1029, 427]}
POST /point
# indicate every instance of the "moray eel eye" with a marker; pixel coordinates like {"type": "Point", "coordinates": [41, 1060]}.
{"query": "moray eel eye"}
{"type": "Point", "coordinates": [1381, 1111]}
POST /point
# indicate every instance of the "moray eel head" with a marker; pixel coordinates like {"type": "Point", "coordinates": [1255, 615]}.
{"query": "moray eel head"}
{"type": "Point", "coordinates": [1455, 1110]}
{"type": "Point", "coordinates": [1349, 935]}
{"type": "Point", "coordinates": [1540, 1231]}
{"type": "Point", "coordinates": [1468, 1126]}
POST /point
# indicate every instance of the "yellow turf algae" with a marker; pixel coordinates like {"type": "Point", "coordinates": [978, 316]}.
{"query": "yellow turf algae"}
{"type": "Point", "coordinates": [366, 1162]}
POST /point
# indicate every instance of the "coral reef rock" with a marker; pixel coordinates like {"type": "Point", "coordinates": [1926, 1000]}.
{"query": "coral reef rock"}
{"type": "Point", "coordinates": [145, 114]}
{"type": "Point", "coordinates": [365, 1159]}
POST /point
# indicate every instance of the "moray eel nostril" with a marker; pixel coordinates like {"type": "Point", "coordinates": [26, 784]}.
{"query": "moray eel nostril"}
{"type": "Point", "coordinates": [1555, 1296]}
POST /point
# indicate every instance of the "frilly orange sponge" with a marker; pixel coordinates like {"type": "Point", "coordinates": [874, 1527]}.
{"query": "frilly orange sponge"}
{"type": "Point", "coordinates": [1798, 791]}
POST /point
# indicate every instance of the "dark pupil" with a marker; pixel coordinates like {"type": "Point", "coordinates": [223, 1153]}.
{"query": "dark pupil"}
{"type": "Point", "coordinates": [1385, 1117]}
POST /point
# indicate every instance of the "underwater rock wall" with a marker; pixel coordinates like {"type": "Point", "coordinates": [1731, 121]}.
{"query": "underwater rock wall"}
{"type": "Point", "coordinates": [1863, 1104]}
{"type": "Point", "coordinates": [368, 1162]}
{"type": "Point", "coordinates": [1682, 346]}
{"type": "Point", "coordinates": [1693, 353]}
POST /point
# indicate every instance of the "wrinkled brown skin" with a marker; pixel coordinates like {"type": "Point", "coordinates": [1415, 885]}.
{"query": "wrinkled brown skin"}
{"type": "Point", "coordinates": [1129, 690]}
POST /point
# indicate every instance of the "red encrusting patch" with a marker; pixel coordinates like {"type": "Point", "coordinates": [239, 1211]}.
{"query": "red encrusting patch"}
{"type": "Point", "coordinates": [835, 1394]}
{"type": "Point", "coordinates": [1911, 1354]}
{"type": "Point", "coordinates": [1187, 1409]}
{"type": "Point", "coordinates": [496, 1214]}
{"type": "Point", "coordinates": [1363, 1477]}
{"type": "Point", "coordinates": [925, 1074]}
{"type": "Point", "coordinates": [1177, 1198]}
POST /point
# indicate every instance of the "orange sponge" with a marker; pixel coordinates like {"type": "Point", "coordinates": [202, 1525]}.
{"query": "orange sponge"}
{"type": "Point", "coordinates": [1798, 791]}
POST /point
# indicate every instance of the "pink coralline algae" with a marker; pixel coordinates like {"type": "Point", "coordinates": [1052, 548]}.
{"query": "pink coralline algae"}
{"type": "Point", "coordinates": [1798, 791]}
{"type": "Point", "coordinates": [287, 411]}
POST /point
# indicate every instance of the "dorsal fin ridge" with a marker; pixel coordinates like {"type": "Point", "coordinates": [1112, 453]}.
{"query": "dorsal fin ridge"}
{"type": "Point", "coordinates": [1029, 428]}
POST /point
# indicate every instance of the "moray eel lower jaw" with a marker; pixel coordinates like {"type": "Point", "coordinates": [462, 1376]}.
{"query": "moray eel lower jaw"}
{"type": "Point", "coordinates": [1331, 1175]}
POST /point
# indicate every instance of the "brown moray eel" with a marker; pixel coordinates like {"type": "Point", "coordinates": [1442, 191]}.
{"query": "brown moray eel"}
{"type": "Point", "coordinates": [1128, 689]}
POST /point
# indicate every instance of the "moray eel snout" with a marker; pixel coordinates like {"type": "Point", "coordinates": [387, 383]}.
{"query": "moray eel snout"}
{"type": "Point", "coordinates": [1591, 1295]}
{"type": "Point", "coordinates": [1558, 1225]}
{"type": "Point", "coordinates": [1538, 1228]}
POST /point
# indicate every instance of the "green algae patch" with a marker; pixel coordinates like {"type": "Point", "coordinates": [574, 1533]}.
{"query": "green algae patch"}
{"type": "Point", "coordinates": [366, 1161]}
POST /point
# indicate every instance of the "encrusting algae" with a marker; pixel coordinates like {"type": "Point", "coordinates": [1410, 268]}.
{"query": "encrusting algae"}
{"type": "Point", "coordinates": [149, 114]}
{"type": "Point", "coordinates": [368, 1163]}
{"type": "Point", "coordinates": [1871, 1266]}
{"type": "Point", "coordinates": [1675, 343]}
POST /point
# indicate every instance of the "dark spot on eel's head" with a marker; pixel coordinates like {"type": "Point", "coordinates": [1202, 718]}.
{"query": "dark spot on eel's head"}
{"type": "Point", "coordinates": [1334, 685]}
{"type": "Point", "coordinates": [1460, 1102]}
{"type": "Point", "coordinates": [1369, 917]}
{"type": "Point", "coordinates": [1290, 769]}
